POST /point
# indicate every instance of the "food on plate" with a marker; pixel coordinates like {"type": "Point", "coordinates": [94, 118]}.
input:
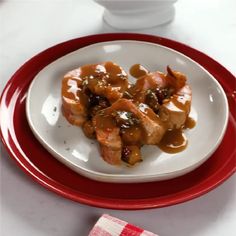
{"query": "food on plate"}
{"type": "Point", "coordinates": [90, 88]}
{"type": "Point", "coordinates": [168, 95]}
{"type": "Point", "coordinates": [123, 128]}
{"type": "Point", "coordinates": [123, 116]}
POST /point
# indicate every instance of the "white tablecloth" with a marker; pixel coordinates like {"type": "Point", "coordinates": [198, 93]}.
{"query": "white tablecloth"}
{"type": "Point", "coordinates": [28, 27]}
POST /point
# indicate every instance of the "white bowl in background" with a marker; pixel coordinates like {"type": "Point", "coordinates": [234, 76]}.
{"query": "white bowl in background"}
{"type": "Point", "coordinates": [136, 14]}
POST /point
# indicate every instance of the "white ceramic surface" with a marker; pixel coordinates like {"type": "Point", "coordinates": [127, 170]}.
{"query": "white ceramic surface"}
{"type": "Point", "coordinates": [68, 143]}
{"type": "Point", "coordinates": [136, 14]}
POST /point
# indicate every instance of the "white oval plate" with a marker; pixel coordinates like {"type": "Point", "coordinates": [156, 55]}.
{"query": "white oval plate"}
{"type": "Point", "coordinates": [69, 145]}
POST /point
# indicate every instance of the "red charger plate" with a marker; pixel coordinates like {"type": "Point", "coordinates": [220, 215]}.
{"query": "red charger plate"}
{"type": "Point", "coordinates": [46, 170]}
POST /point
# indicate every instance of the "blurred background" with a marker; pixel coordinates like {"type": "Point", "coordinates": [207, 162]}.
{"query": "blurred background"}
{"type": "Point", "coordinates": [204, 24]}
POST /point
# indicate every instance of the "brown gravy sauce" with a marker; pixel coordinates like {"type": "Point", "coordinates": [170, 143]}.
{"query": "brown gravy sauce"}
{"type": "Point", "coordinates": [175, 140]}
{"type": "Point", "coordinates": [138, 70]}
{"type": "Point", "coordinates": [190, 123]}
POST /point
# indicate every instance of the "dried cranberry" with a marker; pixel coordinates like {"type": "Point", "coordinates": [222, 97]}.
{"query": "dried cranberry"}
{"type": "Point", "coordinates": [125, 154]}
{"type": "Point", "coordinates": [152, 101]}
{"type": "Point", "coordinates": [93, 99]}
{"type": "Point", "coordinates": [161, 94]}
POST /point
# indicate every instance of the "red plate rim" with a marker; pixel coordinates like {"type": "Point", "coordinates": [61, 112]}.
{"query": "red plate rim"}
{"type": "Point", "coordinates": [64, 48]}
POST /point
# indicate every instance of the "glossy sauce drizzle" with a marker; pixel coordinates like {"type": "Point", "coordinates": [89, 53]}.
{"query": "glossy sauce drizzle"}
{"type": "Point", "coordinates": [175, 140]}
{"type": "Point", "coordinates": [189, 123]}
{"type": "Point", "coordinates": [138, 70]}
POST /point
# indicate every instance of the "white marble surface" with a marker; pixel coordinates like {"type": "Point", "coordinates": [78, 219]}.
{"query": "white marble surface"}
{"type": "Point", "coordinates": [29, 26]}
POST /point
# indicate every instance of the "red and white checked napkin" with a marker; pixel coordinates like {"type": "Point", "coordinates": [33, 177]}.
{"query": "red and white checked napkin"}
{"type": "Point", "coordinates": [111, 226]}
